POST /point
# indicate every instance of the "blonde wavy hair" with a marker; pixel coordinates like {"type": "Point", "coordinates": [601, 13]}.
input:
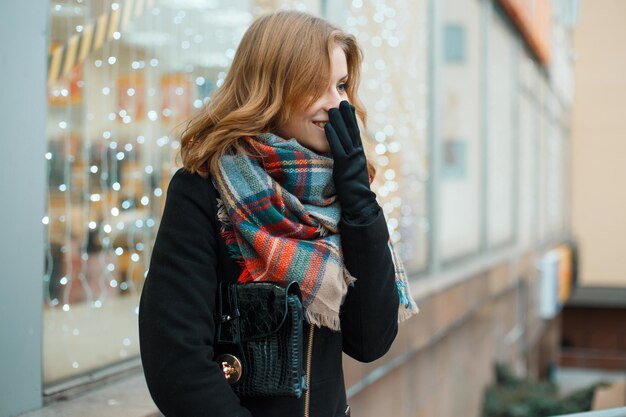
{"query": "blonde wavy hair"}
{"type": "Point", "coordinates": [282, 63]}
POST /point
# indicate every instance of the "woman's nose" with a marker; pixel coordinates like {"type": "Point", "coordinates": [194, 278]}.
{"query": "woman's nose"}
{"type": "Point", "coordinates": [332, 100]}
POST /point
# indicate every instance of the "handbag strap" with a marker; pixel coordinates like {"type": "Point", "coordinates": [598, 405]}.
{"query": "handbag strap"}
{"type": "Point", "coordinates": [227, 323]}
{"type": "Point", "coordinates": [228, 317]}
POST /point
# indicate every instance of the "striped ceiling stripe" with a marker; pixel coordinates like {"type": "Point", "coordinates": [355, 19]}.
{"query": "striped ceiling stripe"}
{"type": "Point", "coordinates": [63, 58]}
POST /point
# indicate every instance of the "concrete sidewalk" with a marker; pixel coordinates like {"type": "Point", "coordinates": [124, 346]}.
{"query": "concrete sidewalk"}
{"type": "Point", "coordinates": [128, 397]}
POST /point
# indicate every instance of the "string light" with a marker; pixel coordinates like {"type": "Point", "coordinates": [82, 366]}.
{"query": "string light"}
{"type": "Point", "coordinates": [381, 31]}
{"type": "Point", "coordinates": [118, 146]}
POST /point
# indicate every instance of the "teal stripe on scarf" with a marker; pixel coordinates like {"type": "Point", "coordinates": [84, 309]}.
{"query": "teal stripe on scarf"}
{"type": "Point", "coordinates": [280, 217]}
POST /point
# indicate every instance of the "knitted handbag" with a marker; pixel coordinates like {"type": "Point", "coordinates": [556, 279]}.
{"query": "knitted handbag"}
{"type": "Point", "coordinates": [259, 338]}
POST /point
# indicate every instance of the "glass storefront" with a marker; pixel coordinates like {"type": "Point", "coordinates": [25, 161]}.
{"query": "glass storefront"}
{"type": "Point", "coordinates": [130, 73]}
{"type": "Point", "coordinates": [461, 140]}
{"type": "Point", "coordinates": [124, 76]}
{"type": "Point", "coordinates": [528, 122]}
{"type": "Point", "coordinates": [394, 87]}
{"type": "Point", "coordinates": [501, 103]}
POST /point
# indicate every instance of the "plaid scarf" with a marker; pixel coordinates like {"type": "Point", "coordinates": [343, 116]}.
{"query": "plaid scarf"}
{"type": "Point", "coordinates": [280, 216]}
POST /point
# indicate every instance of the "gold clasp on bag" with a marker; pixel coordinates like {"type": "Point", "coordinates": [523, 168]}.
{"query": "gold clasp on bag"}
{"type": "Point", "coordinates": [231, 366]}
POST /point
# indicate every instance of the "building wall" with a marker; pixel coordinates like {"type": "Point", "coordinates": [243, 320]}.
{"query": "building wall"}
{"type": "Point", "coordinates": [443, 360]}
{"type": "Point", "coordinates": [598, 133]}
{"type": "Point", "coordinates": [23, 108]}
{"type": "Point", "coordinates": [425, 69]}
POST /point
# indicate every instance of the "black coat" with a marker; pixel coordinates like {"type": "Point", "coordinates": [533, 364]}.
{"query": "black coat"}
{"type": "Point", "coordinates": [176, 325]}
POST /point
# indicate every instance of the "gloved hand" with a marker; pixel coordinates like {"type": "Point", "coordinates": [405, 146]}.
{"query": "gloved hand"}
{"type": "Point", "coordinates": [358, 202]}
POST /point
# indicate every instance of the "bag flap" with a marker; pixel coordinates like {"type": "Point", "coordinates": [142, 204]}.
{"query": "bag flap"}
{"type": "Point", "coordinates": [263, 307]}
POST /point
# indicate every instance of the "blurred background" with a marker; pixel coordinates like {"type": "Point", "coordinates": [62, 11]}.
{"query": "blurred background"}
{"type": "Point", "coordinates": [498, 129]}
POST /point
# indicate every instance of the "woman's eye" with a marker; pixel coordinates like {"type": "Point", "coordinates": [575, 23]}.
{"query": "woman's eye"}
{"type": "Point", "coordinates": [342, 87]}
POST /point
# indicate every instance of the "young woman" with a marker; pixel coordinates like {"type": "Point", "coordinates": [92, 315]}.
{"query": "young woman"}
{"type": "Point", "coordinates": [275, 186]}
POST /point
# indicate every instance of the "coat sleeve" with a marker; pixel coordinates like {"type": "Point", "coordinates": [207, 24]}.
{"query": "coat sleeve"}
{"type": "Point", "coordinates": [369, 314]}
{"type": "Point", "coordinates": [176, 324]}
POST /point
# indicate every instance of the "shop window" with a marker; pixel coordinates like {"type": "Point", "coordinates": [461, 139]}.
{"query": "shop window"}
{"type": "Point", "coordinates": [556, 185]}
{"type": "Point", "coordinates": [500, 186]}
{"type": "Point", "coordinates": [394, 91]}
{"type": "Point", "coordinates": [528, 149]}
{"type": "Point", "coordinates": [123, 77]}
{"type": "Point", "coordinates": [545, 157]}
{"type": "Point", "coordinates": [460, 115]}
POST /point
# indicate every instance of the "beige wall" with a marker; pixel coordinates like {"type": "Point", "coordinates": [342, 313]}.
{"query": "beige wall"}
{"type": "Point", "coordinates": [447, 352]}
{"type": "Point", "coordinates": [599, 143]}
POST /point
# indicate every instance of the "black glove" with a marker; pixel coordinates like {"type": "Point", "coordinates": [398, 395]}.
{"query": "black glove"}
{"type": "Point", "coordinates": [358, 202]}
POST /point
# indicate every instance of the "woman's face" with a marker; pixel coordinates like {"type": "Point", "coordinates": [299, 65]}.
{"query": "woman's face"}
{"type": "Point", "coordinates": [307, 125]}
